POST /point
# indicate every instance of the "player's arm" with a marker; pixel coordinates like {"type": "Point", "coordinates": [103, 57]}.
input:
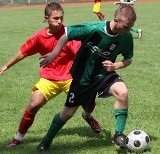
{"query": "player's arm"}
{"type": "Point", "coordinates": [110, 66]}
{"type": "Point", "coordinates": [18, 57]}
{"type": "Point", "coordinates": [50, 57]}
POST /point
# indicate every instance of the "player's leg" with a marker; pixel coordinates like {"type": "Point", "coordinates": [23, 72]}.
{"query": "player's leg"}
{"type": "Point", "coordinates": [138, 31]}
{"type": "Point", "coordinates": [120, 92]}
{"type": "Point", "coordinates": [97, 8]}
{"type": "Point", "coordinates": [76, 96]}
{"type": "Point", "coordinates": [88, 109]}
{"type": "Point", "coordinates": [27, 119]}
{"type": "Point", "coordinates": [41, 94]}
{"type": "Point", "coordinates": [87, 116]}
{"type": "Point", "coordinates": [58, 122]}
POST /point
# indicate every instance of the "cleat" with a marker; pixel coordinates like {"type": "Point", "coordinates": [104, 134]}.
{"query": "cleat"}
{"type": "Point", "coordinates": [93, 124]}
{"type": "Point", "coordinates": [42, 147]}
{"type": "Point", "coordinates": [14, 142]}
{"type": "Point", "coordinates": [139, 33]}
{"type": "Point", "coordinates": [119, 140]}
{"type": "Point", "coordinates": [100, 15]}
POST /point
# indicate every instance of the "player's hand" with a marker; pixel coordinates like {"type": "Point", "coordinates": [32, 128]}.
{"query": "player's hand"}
{"type": "Point", "coordinates": [109, 66]}
{"type": "Point", "coordinates": [115, 3]}
{"type": "Point", "coordinates": [46, 60]}
{"type": "Point", "coordinates": [4, 68]}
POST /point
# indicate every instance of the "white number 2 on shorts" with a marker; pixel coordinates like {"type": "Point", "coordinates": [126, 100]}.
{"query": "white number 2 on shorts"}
{"type": "Point", "coordinates": [71, 97]}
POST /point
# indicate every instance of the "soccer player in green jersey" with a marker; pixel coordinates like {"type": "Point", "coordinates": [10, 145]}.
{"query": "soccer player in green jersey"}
{"type": "Point", "coordinates": [94, 69]}
{"type": "Point", "coordinates": [130, 2]}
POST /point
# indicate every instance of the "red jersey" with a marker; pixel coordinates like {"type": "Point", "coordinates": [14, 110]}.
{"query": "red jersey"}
{"type": "Point", "coordinates": [43, 43]}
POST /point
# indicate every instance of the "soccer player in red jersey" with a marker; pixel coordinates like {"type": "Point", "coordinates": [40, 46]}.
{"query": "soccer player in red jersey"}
{"type": "Point", "coordinates": [55, 78]}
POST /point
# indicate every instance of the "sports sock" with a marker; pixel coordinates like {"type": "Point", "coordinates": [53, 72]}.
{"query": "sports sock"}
{"type": "Point", "coordinates": [133, 29]}
{"type": "Point", "coordinates": [88, 109]}
{"type": "Point", "coordinates": [19, 136]}
{"type": "Point", "coordinates": [26, 121]}
{"type": "Point", "coordinates": [54, 128]}
{"type": "Point", "coordinates": [120, 117]}
{"type": "Point", "coordinates": [86, 114]}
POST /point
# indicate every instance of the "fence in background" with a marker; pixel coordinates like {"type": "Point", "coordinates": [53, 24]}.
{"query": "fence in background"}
{"type": "Point", "coordinates": [5, 2]}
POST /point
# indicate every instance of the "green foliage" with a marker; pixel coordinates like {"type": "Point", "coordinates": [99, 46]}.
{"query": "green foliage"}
{"type": "Point", "coordinates": [142, 79]}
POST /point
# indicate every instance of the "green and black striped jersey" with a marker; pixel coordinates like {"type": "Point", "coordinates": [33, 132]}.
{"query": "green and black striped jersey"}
{"type": "Point", "coordinates": [97, 45]}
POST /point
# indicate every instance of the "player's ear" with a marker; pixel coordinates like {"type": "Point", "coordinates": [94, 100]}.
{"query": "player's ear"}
{"type": "Point", "coordinates": [46, 18]}
{"type": "Point", "coordinates": [116, 20]}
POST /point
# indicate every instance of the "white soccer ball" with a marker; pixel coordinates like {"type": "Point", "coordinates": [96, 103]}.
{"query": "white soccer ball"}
{"type": "Point", "coordinates": [137, 141]}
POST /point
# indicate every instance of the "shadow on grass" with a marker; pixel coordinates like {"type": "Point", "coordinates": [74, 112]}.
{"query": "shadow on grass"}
{"type": "Point", "coordinates": [93, 142]}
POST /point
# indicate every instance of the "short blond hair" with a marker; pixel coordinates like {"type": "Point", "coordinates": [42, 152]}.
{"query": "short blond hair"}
{"type": "Point", "coordinates": [125, 11]}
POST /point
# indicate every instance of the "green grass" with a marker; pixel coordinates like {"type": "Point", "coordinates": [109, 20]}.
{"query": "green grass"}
{"type": "Point", "coordinates": [142, 79]}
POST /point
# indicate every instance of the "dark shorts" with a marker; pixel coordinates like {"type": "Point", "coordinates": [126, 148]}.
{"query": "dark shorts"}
{"type": "Point", "coordinates": [80, 94]}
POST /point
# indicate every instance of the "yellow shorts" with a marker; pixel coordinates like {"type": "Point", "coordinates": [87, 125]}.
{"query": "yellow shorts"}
{"type": "Point", "coordinates": [51, 89]}
{"type": "Point", "coordinates": [97, 7]}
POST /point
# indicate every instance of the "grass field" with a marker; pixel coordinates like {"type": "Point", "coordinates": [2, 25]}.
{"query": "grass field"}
{"type": "Point", "coordinates": [142, 79]}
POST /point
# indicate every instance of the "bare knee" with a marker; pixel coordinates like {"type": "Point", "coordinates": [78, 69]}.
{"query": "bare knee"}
{"type": "Point", "coordinates": [35, 104]}
{"type": "Point", "coordinates": [122, 100]}
{"type": "Point", "coordinates": [123, 96]}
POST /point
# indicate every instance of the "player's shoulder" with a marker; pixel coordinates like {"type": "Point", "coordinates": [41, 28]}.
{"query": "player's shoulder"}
{"type": "Point", "coordinates": [129, 35]}
{"type": "Point", "coordinates": [98, 24]}
{"type": "Point", "coordinates": [128, 38]}
{"type": "Point", "coordinates": [41, 32]}
{"type": "Point", "coordinates": [91, 24]}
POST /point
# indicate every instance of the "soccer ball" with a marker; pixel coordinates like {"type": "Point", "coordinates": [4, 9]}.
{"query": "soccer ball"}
{"type": "Point", "coordinates": [137, 141]}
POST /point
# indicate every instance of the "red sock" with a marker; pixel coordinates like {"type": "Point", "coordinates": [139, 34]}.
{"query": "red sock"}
{"type": "Point", "coordinates": [26, 121]}
{"type": "Point", "coordinates": [89, 107]}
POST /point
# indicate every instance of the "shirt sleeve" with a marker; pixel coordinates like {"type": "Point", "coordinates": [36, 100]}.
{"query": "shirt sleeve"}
{"type": "Point", "coordinates": [29, 47]}
{"type": "Point", "coordinates": [78, 32]}
{"type": "Point", "coordinates": [73, 46]}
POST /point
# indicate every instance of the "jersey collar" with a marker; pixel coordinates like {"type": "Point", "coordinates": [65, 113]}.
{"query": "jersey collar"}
{"type": "Point", "coordinates": [108, 31]}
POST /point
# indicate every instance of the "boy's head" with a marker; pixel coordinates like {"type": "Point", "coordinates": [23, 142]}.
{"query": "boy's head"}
{"type": "Point", "coordinates": [124, 18]}
{"type": "Point", "coordinates": [54, 15]}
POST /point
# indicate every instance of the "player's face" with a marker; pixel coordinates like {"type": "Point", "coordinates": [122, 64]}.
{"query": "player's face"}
{"type": "Point", "coordinates": [124, 26]}
{"type": "Point", "coordinates": [55, 20]}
